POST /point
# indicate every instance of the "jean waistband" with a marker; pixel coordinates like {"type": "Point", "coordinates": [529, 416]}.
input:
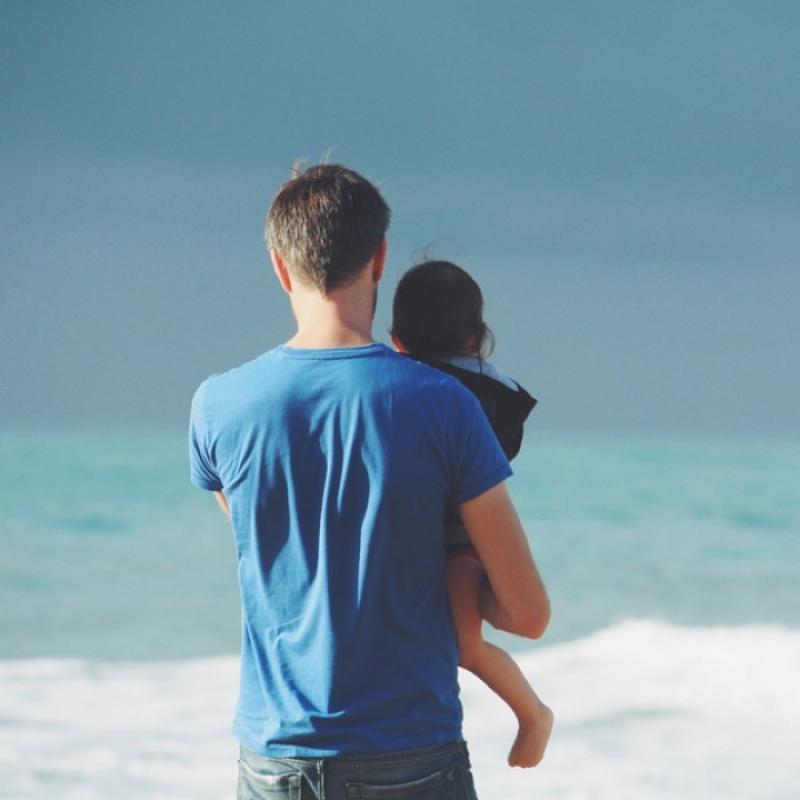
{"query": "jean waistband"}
{"type": "Point", "coordinates": [396, 756]}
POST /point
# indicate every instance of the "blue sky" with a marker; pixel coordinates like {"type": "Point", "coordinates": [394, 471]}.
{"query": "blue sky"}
{"type": "Point", "coordinates": [621, 178]}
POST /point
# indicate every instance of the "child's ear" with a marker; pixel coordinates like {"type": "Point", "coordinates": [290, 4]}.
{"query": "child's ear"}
{"type": "Point", "coordinates": [399, 346]}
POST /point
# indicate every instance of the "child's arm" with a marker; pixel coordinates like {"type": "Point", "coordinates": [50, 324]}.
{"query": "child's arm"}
{"type": "Point", "coordinates": [517, 600]}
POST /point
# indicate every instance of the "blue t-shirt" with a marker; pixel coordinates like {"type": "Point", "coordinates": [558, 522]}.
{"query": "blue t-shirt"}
{"type": "Point", "coordinates": [337, 465]}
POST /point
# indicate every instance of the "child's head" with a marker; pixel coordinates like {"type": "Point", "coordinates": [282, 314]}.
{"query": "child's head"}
{"type": "Point", "coordinates": [438, 311]}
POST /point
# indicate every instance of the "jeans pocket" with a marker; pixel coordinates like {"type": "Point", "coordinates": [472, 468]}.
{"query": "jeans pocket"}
{"type": "Point", "coordinates": [261, 786]}
{"type": "Point", "coordinates": [436, 786]}
{"type": "Point", "coordinates": [466, 786]}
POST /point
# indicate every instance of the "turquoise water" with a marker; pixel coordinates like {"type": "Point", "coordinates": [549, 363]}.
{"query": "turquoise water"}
{"type": "Point", "coordinates": [108, 552]}
{"type": "Point", "coordinates": [671, 662]}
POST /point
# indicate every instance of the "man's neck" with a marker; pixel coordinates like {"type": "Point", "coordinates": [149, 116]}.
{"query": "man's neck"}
{"type": "Point", "coordinates": [321, 339]}
{"type": "Point", "coordinates": [342, 318]}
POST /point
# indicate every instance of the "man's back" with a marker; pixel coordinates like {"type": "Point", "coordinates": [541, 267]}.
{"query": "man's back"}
{"type": "Point", "coordinates": [337, 465]}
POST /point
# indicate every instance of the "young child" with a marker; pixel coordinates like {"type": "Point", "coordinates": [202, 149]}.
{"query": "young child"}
{"type": "Point", "coordinates": [438, 319]}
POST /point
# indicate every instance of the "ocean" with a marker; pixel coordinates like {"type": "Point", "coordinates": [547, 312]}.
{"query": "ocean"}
{"type": "Point", "coordinates": [671, 663]}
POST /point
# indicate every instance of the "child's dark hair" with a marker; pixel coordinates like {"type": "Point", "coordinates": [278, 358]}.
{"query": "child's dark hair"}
{"type": "Point", "coordinates": [438, 311]}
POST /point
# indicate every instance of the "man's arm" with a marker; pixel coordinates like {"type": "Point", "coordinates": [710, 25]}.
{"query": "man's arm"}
{"type": "Point", "coordinates": [223, 503]}
{"type": "Point", "coordinates": [516, 599]}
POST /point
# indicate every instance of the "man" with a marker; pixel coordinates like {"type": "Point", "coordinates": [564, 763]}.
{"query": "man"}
{"type": "Point", "coordinates": [335, 458]}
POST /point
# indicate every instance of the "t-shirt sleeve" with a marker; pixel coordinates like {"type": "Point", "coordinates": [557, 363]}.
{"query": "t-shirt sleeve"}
{"type": "Point", "coordinates": [202, 472]}
{"type": "Point", "coordinates": [479, 462]}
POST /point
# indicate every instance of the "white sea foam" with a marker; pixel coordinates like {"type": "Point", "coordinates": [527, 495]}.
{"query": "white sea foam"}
{"type": "Point", "coordinates": [649, 710]}
{"type": "Point", "coordinates": [644, 710]}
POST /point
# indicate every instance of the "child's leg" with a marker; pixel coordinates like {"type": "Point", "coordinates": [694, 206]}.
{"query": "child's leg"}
{"type": "Point", "coordinates": [494, 666]}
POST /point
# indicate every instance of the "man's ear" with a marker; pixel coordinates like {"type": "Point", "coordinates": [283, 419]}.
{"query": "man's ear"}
{"type": "Point", "coordinates": [379, 260]}
{"type": "Point", "coordinates": [282, 273]}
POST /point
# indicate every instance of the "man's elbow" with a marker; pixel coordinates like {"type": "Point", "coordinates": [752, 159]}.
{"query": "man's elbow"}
{"type": "Point", "coordinates": [535, 622]}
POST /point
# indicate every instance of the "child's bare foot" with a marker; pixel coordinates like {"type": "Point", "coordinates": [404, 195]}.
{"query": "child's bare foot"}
{"type": "Point", "coordinates": [529, 746]}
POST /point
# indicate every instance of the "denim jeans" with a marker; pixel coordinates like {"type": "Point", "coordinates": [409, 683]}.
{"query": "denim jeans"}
{"type": "Point", "coordinates": [441, 772]}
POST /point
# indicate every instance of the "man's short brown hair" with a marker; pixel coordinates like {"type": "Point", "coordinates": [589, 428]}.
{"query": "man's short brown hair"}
{"type": "Point", "coordinates": [326, 223]}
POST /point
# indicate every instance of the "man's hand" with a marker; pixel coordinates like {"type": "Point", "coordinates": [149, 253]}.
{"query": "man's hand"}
{"type": "Point", "coordinates": [223, 503]}
{"type": "Point", "coordinates": [515, 599]}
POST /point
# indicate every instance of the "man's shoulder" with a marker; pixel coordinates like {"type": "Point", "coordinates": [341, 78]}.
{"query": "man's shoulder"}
{"type": "Point", "coordinates": [440, 386]}
{"type": "Point", "coordinates": [226, 393]}
{"type": "Point", "coordinates": [426, 375]}
{"type": "Point", "coordinates": [220, 381]}
{"type": "Point", "coordinates": [392, 372]}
